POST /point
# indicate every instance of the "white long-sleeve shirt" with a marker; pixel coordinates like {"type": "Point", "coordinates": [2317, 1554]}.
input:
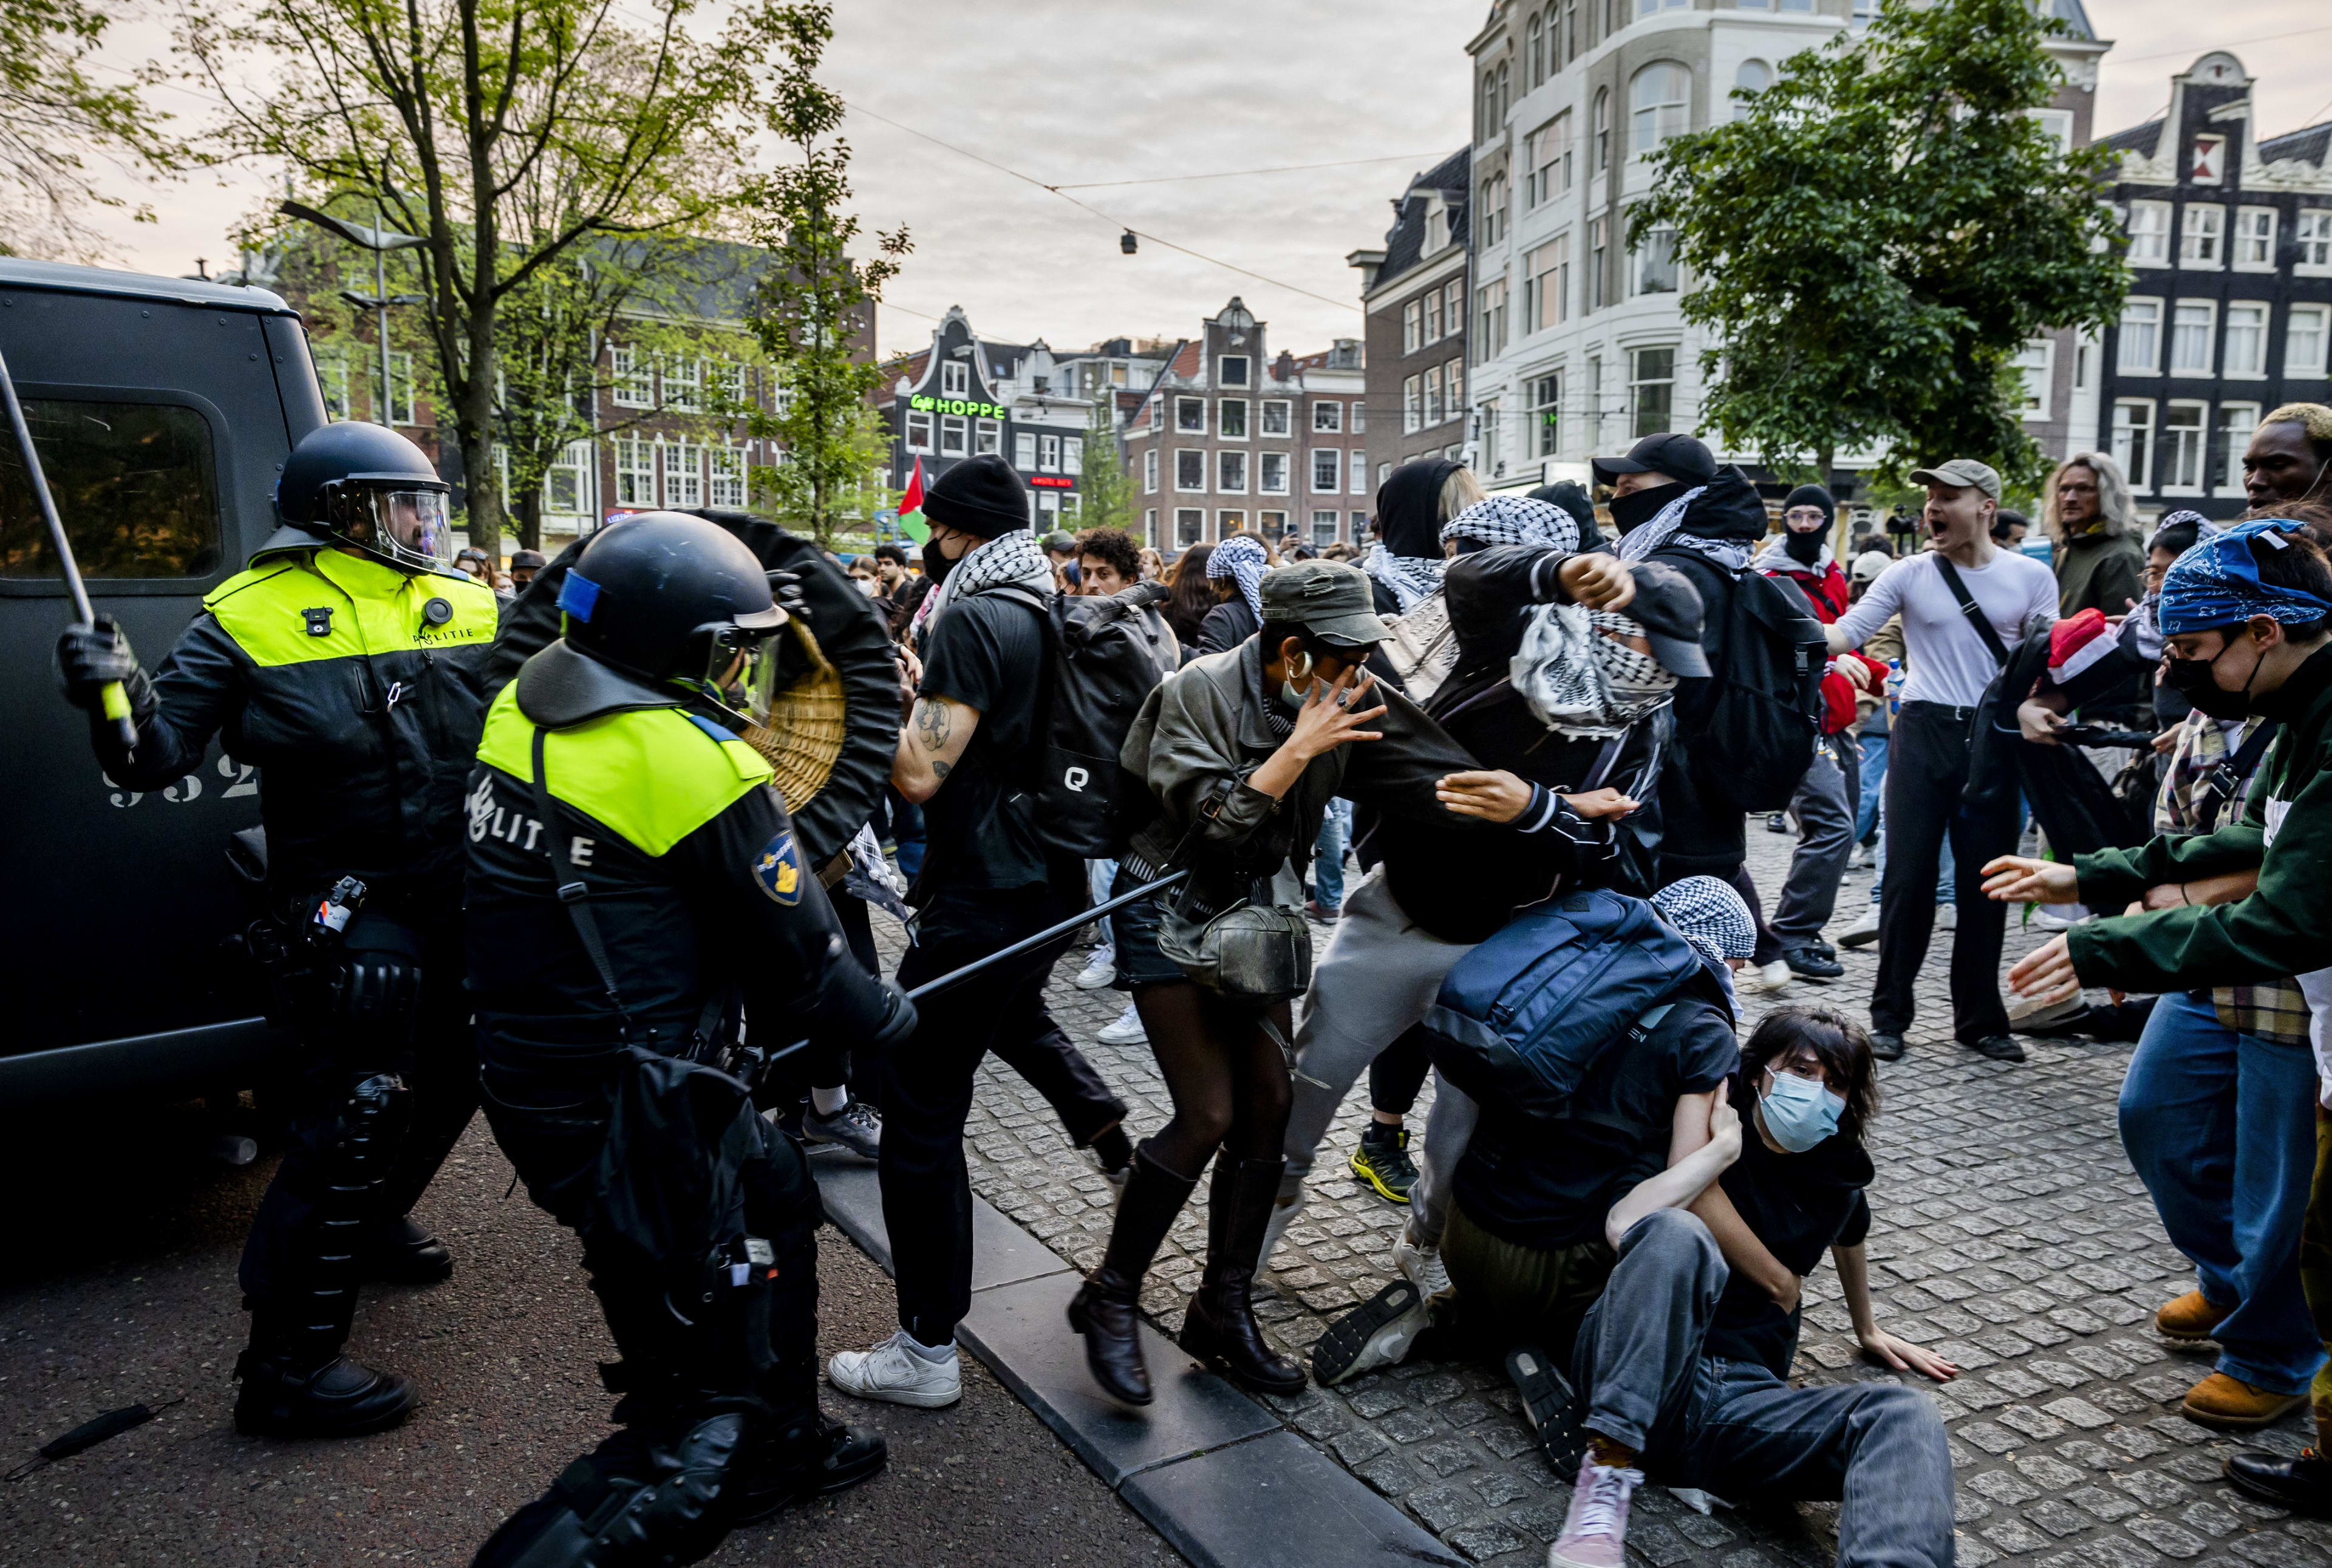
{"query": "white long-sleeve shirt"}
{"type": "Point", "coordinates": [1947, 661]}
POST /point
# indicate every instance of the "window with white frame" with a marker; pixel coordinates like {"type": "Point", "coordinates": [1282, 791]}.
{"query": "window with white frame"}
{"type": "Point", "coordinates": [332, 376]}
{"type": "Point", "coordinates": [1360, 521]}
{"type": "Point", "coordinates": [1455, 374]}
{"type": "Point", "coordinates": [1271, 472]}
{"type": "Point", "coordinates": [1328, 417]}
{"type": "Point", "coordinates": [2306, 329]}
{"type": "Point", "coordinates": [1653, 7]}
{"type": "Point", "coordinates": [2038, 366]}
{"type": "Point", "coordinates": [1453, 308]}
{"type": "Point", "coordinates": [2236, 423]}
{"type": "Point", "coordinates": [1360, 420]}
{"type": "Point", "coordinates": [1073, 454]}
{"type": "Point", "coordinates": [1492, 215]}
{"type": "Point", "coordinates": [1433, 317]}
{"type": "Point", "coordinates": [955, 378]}
{"type": "Point", "coordinates": [1600, 143]}
{"type": "Point", "coordinates": [1659, 104]}
{"type": "Point", "coordinates": [1546, 284]}
{"type": "Point", "coordinates": [1073, 506]}
{"type": "Point", "coordinates": [1191, 415]}
{"type": "Point", "coordinates": [1230, 473]}
{"type": "Point", "coordinates": [1189, 470]}
{"type": "Point", "coordinates": [2184, 426]}
{"type": "Point", "coordinates": [1150, 527]}
{"type": "Point", "coordinates": [567, 482]}
{"type": "Point", "coordinates": [1412, 404]}
{"type": "Point", "coordinates": [2192, 322]}
{"type": "Point", "coordinates": [1651, 387]}
{"type": "Point", "coordinates": [1273, 415]}
{"type": "Point", "coordinates": [955, 435]}
{"type": "Point", "coordinates": [1324, 528]}
{"type": "Point", "coordinates": [1490, 318]}
{"type": "Point", "coordinates": [635, 471]}
{"type": "Point", "coordinates": [2311, 235]}
{"type": "Point", "coordinates": [400, 401]}
{"type": "Point", "coordinates": [683, 385]}
{"type": "Point", "coordinates": [1157, 413]}
{"type": "Point", "coordinates": [1547, 154]}
{"type": "Point", "coordinates": [1048, 453]}
{"type": "Point", "coordinates": [1190, 525]}
{"type": "Point", "coordinates": [1545, 415]}
{"type": "Point", "coordinates": [1231, 416]}
{"type": "Point", "coordinates": [1024, 451]}
{"type": "Point", "coordinates": [1149, 472]}
{"type": "Point", "coordinates": [1327, 471]}
{"type": "Point", "coordinates": [988, 437]}
{"type": "Point", "coordinates": [1655, 267]}
{"type": "Point", "coordinates": [724, 383]}
{"type": "Point", "coordinates": [724, 476]}
{"type": "Point", "coordinates": [2139, 350]}
{"type": "Point", "coordinates": [1384, 471]}
{"type": "Point", "coordinates": [2149, 234]}
{"type": "Point", "coordinates": [2057, 125]}
{"type": "Point", "coordinates": [1598, 232]}
{"type": "Point", "coordinates": [919, 430]}
{"type": "Point", "coordinates": [1360, 473]}
{"type": "Point", "coordinates": [1231, 370]}
{"type": "Point", "coordinates": [1227, 523]}
{"type": "Point", "coordinates": [1412, 326]}
{"type": "Point", "coordinates": [2201, 237]}
{"type": "Point", "coordinates": [631, 379]}
{"type": "Point", "coordinates": [2133, 441]}
{"type": "Point", "coordinates": [1753, 78]}
{"type": "Point", "coordinates": [2254, 247]}
{"type": "Point", "coordinates": [1433, 395]}
{"type": "Point", "coordinates": [684, 473]}
{"type": "Point", "coordinates": [2246, 350]}
{"type": "Point", "coordinates": [1271, 525]}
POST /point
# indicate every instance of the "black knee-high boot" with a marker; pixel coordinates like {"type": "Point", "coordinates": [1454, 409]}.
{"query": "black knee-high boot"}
{"type": "Point", "coordinates": [1108, 1311]}
{"type": "Point", "coordinates": [1220, 1326]}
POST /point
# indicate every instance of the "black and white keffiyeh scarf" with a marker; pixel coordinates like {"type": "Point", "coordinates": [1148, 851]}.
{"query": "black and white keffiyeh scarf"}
{"type": "Point", "coordinates": [1709, 914]}
{"type": "Point", "coordinates": [1241, 558]}
{"type": "Point", "coordinates": [1013, 558]}
{"type": "Point", "coordinates": [1499, 520]}
{"type": "Point", "coordinates": [1665, 529]}
{"type": "Point", "coordinates": [1410, 579]}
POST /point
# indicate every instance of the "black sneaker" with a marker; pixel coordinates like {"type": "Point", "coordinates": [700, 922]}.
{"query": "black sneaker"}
{"type": "Point", "coordinates": [1822, 949]}
{"type": "Point", "coordinates": [1886, 1047]}
{"type": "Point", "coordinates": [1806, 961]}
{"type": "Point", "coordinates": [1997, 1048]}
{"type": "Point", "coordinates": [857, 1127]}
{"type": "Point", "coordinates": [1551, 1406]}
{"type": "Point", "coordinates": [1380, 1332]}
{"type": "Point", "coordinates": [2303, 1485]}
{"type": "Point", "coordinates": [1382, 1161]}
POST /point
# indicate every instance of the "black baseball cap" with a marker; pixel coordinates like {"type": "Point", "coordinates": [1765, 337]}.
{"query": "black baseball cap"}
{"type": "Point", "coordinates": [1682, 457]}
{"type": "Point", "coordinates": [1668, 608]}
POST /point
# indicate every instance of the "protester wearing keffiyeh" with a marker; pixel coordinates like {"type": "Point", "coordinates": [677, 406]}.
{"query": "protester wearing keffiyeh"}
{"type": "Point", "coordinates": [1009, 557]}
{"type": "Point", "coordinates": [1711, 916]}
{"type": "Point", "coordinates": [1241, 558]}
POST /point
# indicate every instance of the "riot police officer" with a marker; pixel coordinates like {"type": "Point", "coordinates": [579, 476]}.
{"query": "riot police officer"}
{"type": "Point", "coordinates": [634, 880]}
{"type": "Point", "coordinates": [346, 663]}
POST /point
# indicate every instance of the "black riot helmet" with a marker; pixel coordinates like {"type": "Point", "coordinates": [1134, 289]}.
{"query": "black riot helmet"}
{"type": "Point", "coordinates": [366, 486]}
{"type": "Point", "coordinates": [666, 597]}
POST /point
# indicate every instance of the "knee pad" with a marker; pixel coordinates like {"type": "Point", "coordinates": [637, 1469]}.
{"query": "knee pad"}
{"type": "Point", "coordinates": [640, 1498]}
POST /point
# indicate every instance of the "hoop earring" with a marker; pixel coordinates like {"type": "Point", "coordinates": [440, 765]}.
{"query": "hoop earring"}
{"type": "Point", "coordinates": [1299, 677]}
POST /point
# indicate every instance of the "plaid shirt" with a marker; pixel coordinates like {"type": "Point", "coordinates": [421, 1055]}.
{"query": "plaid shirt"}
{"type": "Point", "coordinates": [2271, 1010]}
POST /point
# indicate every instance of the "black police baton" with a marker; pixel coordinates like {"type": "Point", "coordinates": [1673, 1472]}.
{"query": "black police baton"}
{"type": "Point", "coordinates": [114, 699]}
{"type": "Point", "coordinates": [956, 977]}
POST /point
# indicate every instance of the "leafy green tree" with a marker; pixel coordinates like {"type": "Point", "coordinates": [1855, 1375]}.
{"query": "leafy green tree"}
{"type": "Point", "coordinates": [1107, 490]}
{"type": "Point", "coordinates": [56, 119]}
{"type": "Point", "coordinates": [815, 314]}
{"type": "Point", "coordinates": [1875, 240]}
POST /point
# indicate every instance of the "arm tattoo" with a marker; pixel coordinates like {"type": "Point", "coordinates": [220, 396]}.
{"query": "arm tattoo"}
{"type": "Point", "coordinates": [940, 771]}
{"type": "Point", "coordinates": [931, 724]}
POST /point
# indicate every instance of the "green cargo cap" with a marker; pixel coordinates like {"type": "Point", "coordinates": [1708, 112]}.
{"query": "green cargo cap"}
{"type": "Point", "coordinates": [1960, 473]}
{"type": "Point", "coordinates": [1326, 597]}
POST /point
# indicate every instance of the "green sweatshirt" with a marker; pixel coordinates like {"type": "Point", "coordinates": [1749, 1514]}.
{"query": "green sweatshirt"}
{"type": "Point", "coordinates": [2285, 832]}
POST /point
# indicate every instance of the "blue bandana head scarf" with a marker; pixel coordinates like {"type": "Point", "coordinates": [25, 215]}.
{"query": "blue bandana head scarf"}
{"type": "Point", "coordinates": [2217, 583]}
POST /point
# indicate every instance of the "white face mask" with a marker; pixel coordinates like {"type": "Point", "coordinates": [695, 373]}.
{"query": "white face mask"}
{"type": "Point", "coordinates": [869, 587]}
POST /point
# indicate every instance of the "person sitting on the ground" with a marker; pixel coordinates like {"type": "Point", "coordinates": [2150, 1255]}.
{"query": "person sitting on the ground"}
{"type": "Point", "coordinates": [1524, 1245]}
{"type": "Point", "coordinates": [1682, 1366]}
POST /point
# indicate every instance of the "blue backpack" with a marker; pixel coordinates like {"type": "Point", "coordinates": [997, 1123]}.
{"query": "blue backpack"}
{"type": "Point", "coordinates": [1523, 1017]}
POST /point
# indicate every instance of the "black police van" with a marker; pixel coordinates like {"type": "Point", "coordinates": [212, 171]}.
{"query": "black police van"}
{"type": "Point", "coordinates": [162, 409]}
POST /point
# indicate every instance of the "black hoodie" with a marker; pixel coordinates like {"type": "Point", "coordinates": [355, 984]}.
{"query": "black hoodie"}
{"type": "Point", "coordinates": [1408, 517]}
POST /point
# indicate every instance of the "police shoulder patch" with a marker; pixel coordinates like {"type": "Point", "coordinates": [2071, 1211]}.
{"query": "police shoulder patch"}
{"type": "Point", "coordinates": [778, 868]}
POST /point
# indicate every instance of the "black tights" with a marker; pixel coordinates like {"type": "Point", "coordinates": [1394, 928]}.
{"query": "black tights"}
{"type": "Point", "coordinates": [1228, 1079]}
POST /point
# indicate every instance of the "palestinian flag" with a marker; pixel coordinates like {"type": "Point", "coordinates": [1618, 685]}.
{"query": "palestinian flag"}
{"type": "Point", "coordinates": [911, 507]}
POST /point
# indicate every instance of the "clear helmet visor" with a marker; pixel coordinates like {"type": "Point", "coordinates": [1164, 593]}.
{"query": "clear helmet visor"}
{"type": "Point", "coordinates": [744, 668]}
{"type": "Point", "coordinates": [409, 528]}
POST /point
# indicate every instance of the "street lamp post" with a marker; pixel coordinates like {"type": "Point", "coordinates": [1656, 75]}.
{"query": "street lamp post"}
{"type": "Point", "coordinates": [379, 240]}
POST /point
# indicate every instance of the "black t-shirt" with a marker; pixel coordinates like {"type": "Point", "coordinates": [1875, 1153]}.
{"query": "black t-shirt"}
{"type": "Point", "coordinates": [1799, 1206]}
{"type": "Point", "coordinates": [1550, 1184]}
{"type": "Point", "coordinates": [988, 652]}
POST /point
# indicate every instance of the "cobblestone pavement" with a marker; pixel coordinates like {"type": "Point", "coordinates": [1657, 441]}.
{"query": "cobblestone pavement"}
{"type": "Point", "coordinates": [2009, 1235]}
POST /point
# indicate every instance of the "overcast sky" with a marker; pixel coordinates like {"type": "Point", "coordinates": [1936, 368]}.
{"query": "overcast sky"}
{"type": "Point", "coordinates": [1069, 91]}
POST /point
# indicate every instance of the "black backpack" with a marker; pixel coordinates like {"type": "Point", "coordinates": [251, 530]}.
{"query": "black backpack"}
{"type": "Point", "coordinates": [1103, 659]}
{"type": "Point", "coordinates": [1757, 739]}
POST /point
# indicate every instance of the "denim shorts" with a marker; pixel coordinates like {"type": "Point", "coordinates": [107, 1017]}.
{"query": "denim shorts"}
{"type": "Point", "coordinates": [1133, 931]}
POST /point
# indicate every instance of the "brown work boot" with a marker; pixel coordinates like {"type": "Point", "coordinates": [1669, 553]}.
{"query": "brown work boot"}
{"type": "Point", "coordinates": [2220, 1400]}
{"type": "Point", "coordinates": [2190, 1317]}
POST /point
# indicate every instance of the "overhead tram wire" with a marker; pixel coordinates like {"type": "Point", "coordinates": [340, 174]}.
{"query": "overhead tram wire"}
{"type": "Point", "coordinates": [1241, 173]}
{"type": "Point", "coordinates": [1087, 207]}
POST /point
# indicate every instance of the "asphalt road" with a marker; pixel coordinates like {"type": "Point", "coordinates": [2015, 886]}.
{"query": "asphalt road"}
{"type": "Point", "coordinates": [117, 1286]}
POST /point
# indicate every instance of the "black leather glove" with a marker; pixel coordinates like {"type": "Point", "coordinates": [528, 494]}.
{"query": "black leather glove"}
{"type": "Point", "coordinates": [785, 587]}
{"type": "Point", "coordinates": [899, 1017]}
{"type": "Point", "coordinates": [90, 656]}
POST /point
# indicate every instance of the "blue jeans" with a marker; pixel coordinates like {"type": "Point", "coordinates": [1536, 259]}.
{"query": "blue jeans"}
{"type": "Point", "coordinates": [2221, 1129]}
{"type": "Point", "coordinates": [1100, 875]}
{"type": "Point", "coordinates": [1328, 855]}
{"type": "Point", "coordinates": [1874, 775]}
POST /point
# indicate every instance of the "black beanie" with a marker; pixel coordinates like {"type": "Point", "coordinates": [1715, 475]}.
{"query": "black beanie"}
{"type": "Point", "coordinates": [1811, 495]}
{"type": "Point", "coordinates": [1572, 496]}
{"type": "Point", "coordinates": [979, 495]}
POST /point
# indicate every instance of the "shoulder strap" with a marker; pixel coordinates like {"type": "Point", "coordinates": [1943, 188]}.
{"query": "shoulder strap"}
{"type": "Point", "coordinates": [572, 892]}
{"type": "Point", "coordinates": [2224, 782]}
{"type": "Point", "coordinates": [1970, 609]}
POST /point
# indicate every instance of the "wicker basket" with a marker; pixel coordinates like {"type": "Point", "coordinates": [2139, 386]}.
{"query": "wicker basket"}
{"type": "Point", "coordinates": [807, 724]}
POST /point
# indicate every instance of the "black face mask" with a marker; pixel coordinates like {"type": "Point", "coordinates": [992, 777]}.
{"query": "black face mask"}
{"type": "Point", "coordinates": [1638, 507]}
{"type": "Point", "coordinates": [1805, 549]}
{"type": "Point", "coordinates": [2191, 679]}
{"type": "Point", "coordinates": [935, 562]}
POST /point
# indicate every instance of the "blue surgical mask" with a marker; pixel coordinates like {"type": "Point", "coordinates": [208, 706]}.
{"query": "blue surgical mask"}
{"type": "Point", "coordinates": [1800, 1113]}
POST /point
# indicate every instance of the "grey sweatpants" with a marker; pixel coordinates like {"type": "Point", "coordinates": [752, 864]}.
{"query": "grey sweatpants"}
{"type": "Point", "coordinates": [1824, 807]}
{"type": "Point", "coordinates": [1379, 975]}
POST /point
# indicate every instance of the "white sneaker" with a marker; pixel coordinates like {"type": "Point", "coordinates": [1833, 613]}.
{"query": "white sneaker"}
{"type": "Point", "coordinates": [896, 1373]}
{"type": "Point", "coordinates": [1421, 1265]}
{"type": "Point", "coordinates": [1863, 932]}
{"type": "Point", "coordinates": [1772, 977]}
{"type": "Point", "coordinates": [1864, 857]}
{"type": "Point", "coordinates": [1948, 917]}
{"type": "Point", "coordinates": [1099, 972]}
{"type": "Point", "coordinates": [1126, 1031]}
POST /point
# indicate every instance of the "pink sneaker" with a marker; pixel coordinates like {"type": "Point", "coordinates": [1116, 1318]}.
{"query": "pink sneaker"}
{"type": "Point", "coordinates": [1595, 1532]}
